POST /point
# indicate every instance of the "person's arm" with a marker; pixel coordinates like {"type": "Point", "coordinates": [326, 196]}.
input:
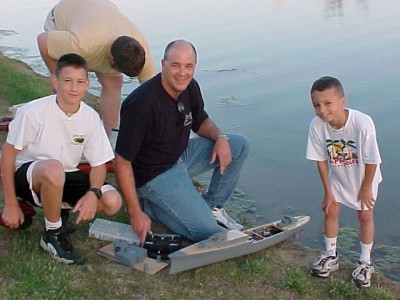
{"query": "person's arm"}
{"type": "Point", "coordinates": [110, 99]}
{"type": "Point", "coordinates": [329, 198]}
{"type": "Point", "coordinates": [365, 193]}
{"type": "Point", "coordinates": [149, 69]}
{"type": "Point", "coordinates": [50, 62]}
{"type": "Point", "coordinates": [44, 52]}
{"type": "Point", "coordinates": [140, 222]}
{"type": "Point", "coordinates": [87, 205]}
{"type": "Point", "coordinates": [12, 214]}
{"type": "Point", "coordinates": [222, 149]}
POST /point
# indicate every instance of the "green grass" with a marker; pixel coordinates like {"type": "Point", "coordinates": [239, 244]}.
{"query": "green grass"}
{"type": "Point", "coordinates": [298, 281]}
{"type": "Point", "coordinates": [20, 86]}
{"type": "Point", "coordinates": [27, 272]}
{"type": "Point", "coordinates": [345, 290]}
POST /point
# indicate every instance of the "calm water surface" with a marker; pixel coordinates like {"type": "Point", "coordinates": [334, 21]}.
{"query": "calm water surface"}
{"type": "Point", "coordinates": [257, 60]}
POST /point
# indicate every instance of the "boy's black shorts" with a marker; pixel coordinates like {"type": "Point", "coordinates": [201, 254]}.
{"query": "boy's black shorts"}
{"type": "Point", "coordinates": [76, 185]}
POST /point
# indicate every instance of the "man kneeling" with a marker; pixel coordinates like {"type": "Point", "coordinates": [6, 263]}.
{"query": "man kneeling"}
{"type": "Point", "coordinates": [44, 146]}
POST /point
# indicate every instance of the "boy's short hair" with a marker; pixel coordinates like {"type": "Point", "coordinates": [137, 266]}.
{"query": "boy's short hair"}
{"type": "Point", "coordinates": [327, 82]}
{"type": "Point", "coordinates": [129, 56]}
{"type": "Point", "coordinates": [71, 60]}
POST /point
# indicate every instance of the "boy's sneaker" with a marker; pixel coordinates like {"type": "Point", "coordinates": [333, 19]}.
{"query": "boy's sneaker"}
{"type": "Point", "coordinates": [326, 264]}
{"type": "Point", "coordinates": [58, 244]}
{"type": "Point", "coordinates": [224, 219]}
{"type": "Point", "coordinates": [28, 212]}
{"type": "Point", "coordinates": [67, 225]}
{"type": "Point", "coordinates": [362, 274]}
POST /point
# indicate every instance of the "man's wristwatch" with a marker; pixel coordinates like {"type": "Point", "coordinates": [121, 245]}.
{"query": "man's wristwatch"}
{"type": "Point", "coordinates": [97, 192]}
{"type": "Point", "coordinates": [224, 136]}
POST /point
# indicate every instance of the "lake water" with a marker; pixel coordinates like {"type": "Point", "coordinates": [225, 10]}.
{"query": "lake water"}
{"type": "Point", "coordinates": [257, 61]}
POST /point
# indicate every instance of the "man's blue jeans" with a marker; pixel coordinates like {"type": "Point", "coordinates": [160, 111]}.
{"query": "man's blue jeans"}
{"type": "Point", "coordinates": [172, 199]}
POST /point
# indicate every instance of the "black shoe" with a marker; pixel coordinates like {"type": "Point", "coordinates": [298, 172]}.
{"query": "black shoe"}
{"type": "Point", "coordinates": [58, 244]}
{"type": "Point", "coordinates": [67, 225]}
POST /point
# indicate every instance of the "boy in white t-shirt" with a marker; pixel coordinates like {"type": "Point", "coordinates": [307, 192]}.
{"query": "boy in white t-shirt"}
{"type": "Point", "coordinates": [343, 143]}
{"type": "Point", "coordinates": [44, 146]}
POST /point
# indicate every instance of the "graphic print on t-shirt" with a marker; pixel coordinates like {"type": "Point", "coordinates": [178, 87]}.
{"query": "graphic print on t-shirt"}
{"type": "Point", "coordinates": [188, 119]}
{"type": "Point", "coordinates": [78, 139]}
{"type": "Point", "coordinates": [341, 153]}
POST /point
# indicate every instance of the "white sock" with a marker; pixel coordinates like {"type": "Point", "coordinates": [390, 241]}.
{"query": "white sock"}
{"type": "Point", "coordinates": [330, 246]}
{"type": "Point", "coordinates": [52, 226]}
{"type": "Point", "coordinates": [365, 256]}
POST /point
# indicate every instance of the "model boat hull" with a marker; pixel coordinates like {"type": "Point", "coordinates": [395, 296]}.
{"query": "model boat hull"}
{"type": "Point", "coordinates": [232, 243]}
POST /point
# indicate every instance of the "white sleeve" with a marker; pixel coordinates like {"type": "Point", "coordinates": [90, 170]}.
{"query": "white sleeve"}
{"type": "Point", "coordinates": [97, 149]}
{"type": "Point", "coordinates": [22, 130]}
{"type": "Point", "coordinates": [316, 144]}
{"type": "Point", "coordinates": [370, 144]}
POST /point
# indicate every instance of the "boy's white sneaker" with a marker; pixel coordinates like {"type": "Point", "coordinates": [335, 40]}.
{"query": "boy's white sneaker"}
{"type": "Point", "coordinates": [327, 263]}
{"type": "Point", "coordinates": [362, 274]}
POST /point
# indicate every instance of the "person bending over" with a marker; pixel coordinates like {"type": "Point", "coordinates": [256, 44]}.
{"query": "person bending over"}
{"type": "Point", "coordinates": [109, 42]}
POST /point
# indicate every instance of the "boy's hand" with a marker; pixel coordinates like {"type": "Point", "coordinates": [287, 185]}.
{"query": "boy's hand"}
{"type": "Point", "coordinates": [366, 199]}
{"type": "Point", "coordinates": [86, 207]}
{"type": "Point", "coordinates": [329, 201]}
{"type": "Point", "coordinates": [12, 216]}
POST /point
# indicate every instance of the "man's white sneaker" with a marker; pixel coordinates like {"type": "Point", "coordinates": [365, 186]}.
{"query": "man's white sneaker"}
{"type": "Point", "coordinates": [224, 219]}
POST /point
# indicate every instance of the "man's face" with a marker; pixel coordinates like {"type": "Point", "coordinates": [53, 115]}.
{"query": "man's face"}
{"type": "Point", "coordinates": [71, 85]}
{"type": "Point", "coordinates": [178, 69]}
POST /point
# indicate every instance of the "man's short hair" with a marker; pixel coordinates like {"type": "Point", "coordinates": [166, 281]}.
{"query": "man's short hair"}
{"type": "Point", "coordinates": [129, 56]}
{"type": "Point", "coordinates": [71, 60]}
{"type": "Point", "coordinates": [327, 82]}
{"type": "Point", "coordinates": [168, 48]}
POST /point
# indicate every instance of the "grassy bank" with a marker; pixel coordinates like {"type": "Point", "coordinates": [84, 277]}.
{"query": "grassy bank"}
{"type": "Point", "coordinates": [19, 84]}
{"type": "Point", "coordinates": [279, 272]}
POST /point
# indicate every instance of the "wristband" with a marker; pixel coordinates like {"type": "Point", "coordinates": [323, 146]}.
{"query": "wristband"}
{"type": "Point", "coordinates": [97, 192]}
